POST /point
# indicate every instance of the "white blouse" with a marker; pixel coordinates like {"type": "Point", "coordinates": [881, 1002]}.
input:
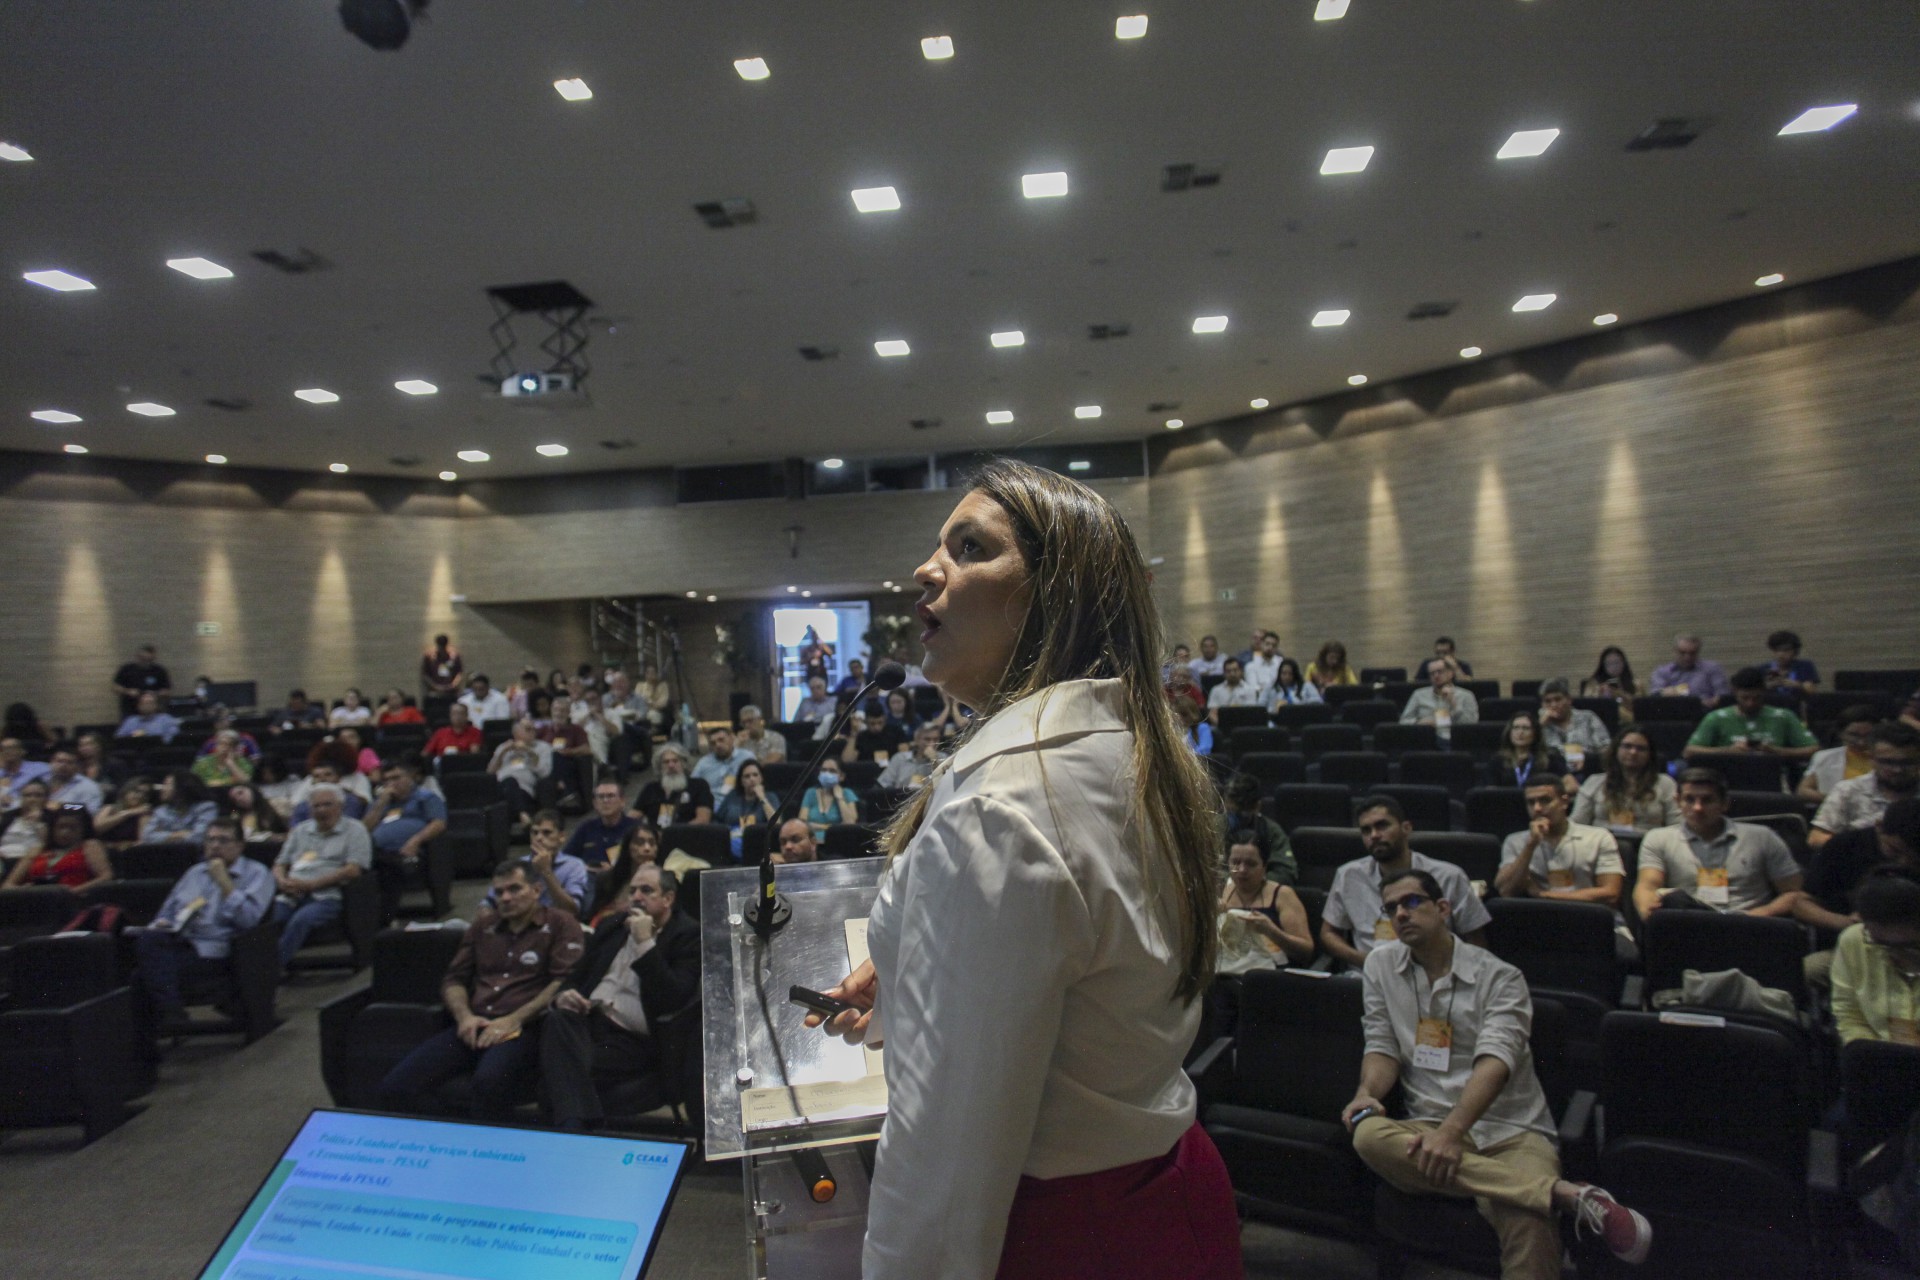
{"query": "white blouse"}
{"type": "Point", "coordinates": [1026, 990]}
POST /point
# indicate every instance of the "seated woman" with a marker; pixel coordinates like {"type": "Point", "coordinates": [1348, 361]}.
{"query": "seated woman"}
{"type": "Point", "coordinates": [1635, 793]}
{"type": "Point", "coordinates": [1329, 666]}
{"type": "Point", "coordinates": [1612, 678]}
{"type": "Point", "coordinates": [901, 721]}
{"type": "Point", "coordinates": [1193, 726]}
{"type": "Point", "coordinates": [1263, 925]}
{"type": "Point", "coordinates": [1290, 688]}
{"type": "Point", "coordinates": [395, 708]}
{"type": "Point", "coordinates": [123, 819]}
{"type": "Point", "coordinates": [1850, 755]}
{"type": "Point", "coordinates": [829, 802]}
{"type": "Point", "coordinates": [610, 887]}
{"type": "Point", "coordinates": [1521, 754]}
{"type": "Point", "coordinates": [749, 804]}
{"type": "Point", "coordinates": [257, 817]}
{"type": "Point", "coordinates": [183, 811]}
{"type": "Point", "coordinates": [353, 710]}
{"type": "Point", "coordinates": [353, 763]}
{"type": "Point", "coordinates": [674, 796]}
{"type": "Point", "coordinates": [25, 831]}
{"type": "Point", "coordinates": [72, 857]}
{"type": "Point", "coordinates": [226, 764]}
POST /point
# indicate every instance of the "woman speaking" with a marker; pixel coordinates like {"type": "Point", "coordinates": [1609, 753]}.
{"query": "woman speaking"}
{"type": "Point", "coordinates": [1045, 928]}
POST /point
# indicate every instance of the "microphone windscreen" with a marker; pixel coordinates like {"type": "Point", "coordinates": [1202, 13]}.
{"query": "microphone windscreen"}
{"type": "Point", "coordinates": [889, 675]}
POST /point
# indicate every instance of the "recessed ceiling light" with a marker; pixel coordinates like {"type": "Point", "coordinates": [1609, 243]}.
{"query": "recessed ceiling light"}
{"type": "Point", "coordinates": [1346, 160]}
{"type": "Point", "coordinates": [551, 450]}
{"type": "Point", "coordinates": [1042, 186]}
{"type": "Point", "coordinates": [806, 595]}
{"type": "Point", "coordinates": [315, 395]}
{"type": "Point", "coordinates": [1818, 119]}
{"type": "Point", "coordinates": [934, 48]}
{"type": "Point", "coordinates": [1468, 353]}
{"type": "Point", "coordinates": [1008, 338]}
{"type": "Point", "coordinates": [1527, 142]}
{"type": "Point", "coordinates": [891, 347]}
{"type": "Point", "coordinates": [415, 387]}
{"type": "Point", "coordinates": [752, 68]}
{"type": "Point", "coordinates": [217, 459]}
{"type": "Point", "coordinates": [1130, 28]}
{"type": "Point", "coordinates": [1174, 424]}
{"type": "Point", "coordinates": [888, 584]}
{"type": "Point", "coordinates": [200, 268]}
{"type": "Point", "coordinates": [1079, 464]}
{"type": "Point", "coordinates": [1209, 324]}
{"type": "Point", "coordinates": [1775, 278]}
{"type": "Point", "coordinates": [449, 475]}
{"type": "Point", "coordinates": [693, 595]}
{"type": "Point", "coordinates": [1258, 402]}
{"type": "Point", "coordinates": [1086, 411]}
{"type": "Point", "coordinates": [1606, 318]}
{"type": "Point", "coordinates": [74, 448]}
{"type": "Point", "coordinates": [1357, 380]}
{"type": "Point", "coordinates": [1330, 10]}
{"type": "Point", "coordinates": [999, 417]}
{"type": "Point", "coordinates": [54, 415]}
{"type": "Point", "coordinates": [833, 464]}
{"type": "Point", "coordinates": [573, 90]}
{"type": "Point", "coordinates": [148, 409]}
{"type": "Point", "coordinates": [897, 588]}
{"type": "Point", "coordinates": [875, 199]}
{"type": "Point", "coordinates": [1535, 302]}
{"type": "Point", "coordinates": [13, 151]}
{"type": "Point", "coordinates": [792, 590]}
{"type": "Point", "coordinates": [712, 599]}
{"type": "Point", "coordinates": [474, 455]}
{"type": "Point", "coordinates": [1330, 319]}
{"type": "Point", "coordinates": [58, 281]}
{"type": "Point", "coordinates": [338, 468]}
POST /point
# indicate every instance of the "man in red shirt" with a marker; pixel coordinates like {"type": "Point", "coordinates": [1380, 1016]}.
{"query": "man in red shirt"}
{"type": "Point", "coordinates": [461, 734]}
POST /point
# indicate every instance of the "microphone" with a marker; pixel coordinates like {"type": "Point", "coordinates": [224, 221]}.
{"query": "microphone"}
{"type": "Point", "coordinates": [769, 910]}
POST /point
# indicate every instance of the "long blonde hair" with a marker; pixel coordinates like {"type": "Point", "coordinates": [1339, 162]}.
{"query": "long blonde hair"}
{"type": "Point", "coordinates": [1092, 617]}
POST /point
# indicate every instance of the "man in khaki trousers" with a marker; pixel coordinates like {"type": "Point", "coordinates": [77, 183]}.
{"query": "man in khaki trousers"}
{"type": "Point", "coordinates": [1448, 1022]}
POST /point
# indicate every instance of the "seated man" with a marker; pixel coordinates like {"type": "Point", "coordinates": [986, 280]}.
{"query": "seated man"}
{"type": "Point", "coordinates": [1708, 861]}
{"type": "Point", "coordinates": [911, 768]}
{"type": "Point", "coordinates": [192, 932]}
{"type": "Point", "coordinates": [148, 721]}
{"type": "Point", "coordinates": [1750, 726]}
{"type": "Point", "coordinates": [629, 726]}
{"type": "Point", "coordinates": [1211, 661]}
{"type": "Point", "coordinates": [1235, 690]}
{"type": "Point", "coordinates": [675, 796]}
{"type": "Point", "coordinates": [641, 966]}
{"type": "Point", "coordinates": [1243, 814]}
{"type": "Point", "coordinates": [1263, 668]}
{"type": "Point", "coordinates": [723, 759]}
{"type": "Point", "coordinates": [1839, 867]}
{"type": "Point", "coordinates": [520, 765]}
{"type": "Point", "coordinates": [597, 840]}
{"type": "Point", "coordinates": [1789, 676]}
{"type": "Point", "coordinates": [1579, 735]}
{"type": "Point", "coordinates": [484, 702]}
{"type": "Point", "coordinates": [1876, 959]}
{"type": "Point", "coordinates": [460, 735]}
{"type": "Point", "coordinates": [572, 750]}
{"type": "Point", "coordinates": [1569, 861]}
{"type": "Point", "coordinates": [796, 842]}
{"type": "Point", "coordinates": [509, 967]}
{"type": "Point", "coordinates": [1858, 802]}
{"type": "Point", "coordinates": [1442, 703]}
{"type": "Point", "coordinates": [563, 881]}
{"type": "Point", "coordinates": [16, 771]}
{"type": "Point", "coordinates": [761, 742]}
{"type": "Point", "coordinates": [325, 774]}
{"type": "Point", "coordinates": [853, 681]}
{"type": "Point", "coordinates": [819, 707]}
{"type": "Point", "coordinates": [319, 855]}
{"type": "Point", "coordinates": [1690, 675]}
{"type": "Point", "coordinates": [404, 817]}
{"type": "Point", "coordinates": [1442, 652]}
{"type": "Point", "coordinates": [1355, 922]}
{"type": "Point", "coordinates": [1477, 1121]}
{"type": "Point", "coordinates": [66, 784]}
{"type": "Point", "coordinates": [297, 714]}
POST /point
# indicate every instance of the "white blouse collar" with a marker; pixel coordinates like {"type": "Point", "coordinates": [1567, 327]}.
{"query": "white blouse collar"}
{"type": "Point", "coordinates": [1066, 710]}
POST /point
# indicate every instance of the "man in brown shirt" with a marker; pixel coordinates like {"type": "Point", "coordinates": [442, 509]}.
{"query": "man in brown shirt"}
{"type": "Point", "coordinates": [509, 967]}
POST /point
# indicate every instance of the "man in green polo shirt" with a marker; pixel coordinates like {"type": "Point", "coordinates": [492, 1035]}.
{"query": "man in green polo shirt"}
{"type": "Point", "coordinates": [1751, 725]}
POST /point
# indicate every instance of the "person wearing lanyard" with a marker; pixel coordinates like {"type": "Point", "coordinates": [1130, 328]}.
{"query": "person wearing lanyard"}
{"type": "Point", "coordinates": [1448, 1021]}
{"type": "Point", "coordinates": [1046, 924]}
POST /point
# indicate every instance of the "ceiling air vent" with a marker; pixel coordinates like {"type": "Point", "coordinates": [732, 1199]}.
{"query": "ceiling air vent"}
{"type": "Point", "coordinates": [819, 353]}
{"type": "Point", "coordinates": [1432, 310]}
{"type": "Point", "coordinates": [1187, 177]}
{"type": "Point", "coordinates": [232, 404]}
{"type": "Point", "coordinates": [1666, 135]}
{"type": "Point", "coordinates": [297, 263]}
{"type": "Point", "coordinates": [1101, 332]}
{"type": "Point", "coordinates": [721, 214]}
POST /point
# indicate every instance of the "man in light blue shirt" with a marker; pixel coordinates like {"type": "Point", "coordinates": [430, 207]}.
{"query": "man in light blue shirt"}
{"type": "Point", "coordinates": [67, 785]}
{"type": "Point", "coordinates": [192, 933]}
{"type": "Point", "coordinates": [16, 771]}
{"type": "Point", "coordinates": [721, 762]}
{"type": "Point", "coordinates": [403, 818]}
{"type": "Point", "coordinates": [148, 721]}
{"type": "Point", "coordinates": [319, 856]}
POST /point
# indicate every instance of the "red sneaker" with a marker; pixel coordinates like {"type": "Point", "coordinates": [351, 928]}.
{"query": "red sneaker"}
{"type": "Point", "coordinates": [1625, 1232]}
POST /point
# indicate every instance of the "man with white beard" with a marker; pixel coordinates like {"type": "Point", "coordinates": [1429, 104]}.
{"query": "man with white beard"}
{"type": "Point", "coordinates": [676, 796]}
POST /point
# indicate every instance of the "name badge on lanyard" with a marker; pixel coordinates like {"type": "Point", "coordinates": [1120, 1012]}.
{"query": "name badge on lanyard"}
{"type": "Point", "coordinates": [1433, 1044]}
{"type": "Point", "coordinates": [1711, 885]}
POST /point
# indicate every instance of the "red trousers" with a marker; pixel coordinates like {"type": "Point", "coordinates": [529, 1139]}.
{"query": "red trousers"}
{"type": "Point", "coordinates": [1169, 1218]}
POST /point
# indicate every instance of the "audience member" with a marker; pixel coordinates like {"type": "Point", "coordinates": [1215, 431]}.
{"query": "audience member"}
{"type": "Point", "coordinates": [1876, 965]}
{"type": "Point", "coordinates": [765, 745]}
{"type": "Point", "coordinates": [630, 731]}
{"type": "Point", "coordinates": [854, 681]}
{"type": "Point", "coordinates": [143, 675]}
{"type": "Point", "coordinates": [66, 784]}
{"type": "Point", "coordinates": [357, 765]}
{"type": "Point", "coordinates": [458, 735]}
{"type": "Point", "coordinates": [1569, 861]}
{"type": "Point", "coordinates": [640, 968]}
{"type": "Point", "coordinates": [441, 669]}
{"type": "Point", "coordinates": [1329, 667]}
{"type": "Point", "coordinates": [829, 802]}
{"type": "Point", "coordinates": [912, 767]}
{"type": "Point", "coordinates": [1272, 913]}
{"type": "Point", "coordinates": [72, 857]}
{"type": "Point", "coordinates": [1690, 675]}
{"type": "Point", "coordinates": [1634, 792]}
{"type": "Point", "coordinates": [1522, 753]}
{"type": "Point", "coordinates": [521, 764]}
{"type": "Point", "coordinates": [796, 842]}
{"type": "Point", "coordinates": [1851, 756]}
{"type": "Point", "coordinates": [659, 696]}
{"type": "Point", "coordinates": [1354, 921]}
{"type": "Point", "coordinates": [573, 765]}
{"type": "Point", "coordinates": [1750, 726]}
{"type": "Point", "coordinates": [1196, 729]}
{"type": "Point", "coordinates": [510, 965]}
{"type": "Point", "coordinates": [1477, 1121]}
{"type": "Point", "coordinates": [722, 762]}
{"type": "Point", "coordinates": [226, 764]}
{"type": "Point", "coordinates": [1233, 691]}
{"type": "Point", "coordinates": [520, 696]}
{"type": "Point", "coordinates": [353, 711]}
{"type": "Point", "coordinates": [1442, 650]}
{"type": "Point", "coordinates": [600, 834]}
{"type": "Point", "coordinates": [900, 721]}
{"type": "Point", "coordinates": [674, 796]}
{"type": "Point", "coordinates": [1182, 657]}
{"type": "Point", "coordinates": [95, 764]}
{"type": "Point", "coordinates": [297, 714]}
{"type": "Point", "coordinates": [326, 773]}
{"type": "Point", "coordinates": [223, 722]}
{"type": "Point", "coordinates": [16, 769]}
{"type": "Point", "coordinates": [184, 809]}
{"type": "Point", "coordinates": [248, 806]}
{"type": "Point", "coordinates": [1841, 864]}
{"type": "Point", "coordinates": [395, 709]}
{"type": "Point", "coordinates": [1291, 689]}
{"type": "Point", "coordinates": [192, 933]}
{"type": "Point", "coordinates": [1242, 814]}
{"type": "Point", "coordinates": [1263, 668]}
{"type": "Point", "coordinates": [1252, 650]}
{"type": "Point", "coordinates": [1860, 801]}
{"type": "Point", "coordinates": [610, 888]}
{"type": "Point", "coordinates": [21, 721]}
{"type": "Point", "coordinates": [148, 721]}
{"type": "Point", "coordinates": [402, 821]}
{"type": "Point", "coordinates": [562, 879]}
{"type": "Point", "coordinates": [1789, 677]}
{"type": "Point", "coordinates": [1211, 661]}
{"type": "Point", "coordinates": [23, 832]}
{"type": "Point", "coordinates": [1181, 686]}
{"type": "Point", "coordinates": [1709, 861]}
{"type": "Point", "coordinates": [1612, 677]}
{"type": "Point", "coordinates": [749, 804]}
{"type": "Point", "coordinates": [1442, 703]}
{"type": "Point", "coordinates": [124, 818]}
{"type": "Point", "coordinates": [819, 707]}
{"type": "Point", "coordinates": [319, 855]}
{"type": "Point", "coordinates": [484, 702]}
{"type": "Point", "coordinates": [1579, 735]}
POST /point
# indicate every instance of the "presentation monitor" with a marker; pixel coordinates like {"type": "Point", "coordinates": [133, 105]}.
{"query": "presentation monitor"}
{"type": "Point", "coordinates": [356, 1196]}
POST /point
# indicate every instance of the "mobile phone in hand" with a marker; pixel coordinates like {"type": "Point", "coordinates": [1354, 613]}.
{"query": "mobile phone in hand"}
{"type": "Point", "coordinates": [824, 1005]}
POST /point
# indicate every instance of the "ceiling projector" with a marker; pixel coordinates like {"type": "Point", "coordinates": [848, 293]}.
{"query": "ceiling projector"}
{"type": "Point", "coordinates": [543, 391]}
{"type": "Point", "coordinates": [381, 24]}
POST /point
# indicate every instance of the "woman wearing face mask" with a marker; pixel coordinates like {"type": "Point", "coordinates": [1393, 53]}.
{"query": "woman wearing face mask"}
{"type": "Point", "coordinates": [1046, 925]}
{"type": "Point", "coordinates": [829, 802]}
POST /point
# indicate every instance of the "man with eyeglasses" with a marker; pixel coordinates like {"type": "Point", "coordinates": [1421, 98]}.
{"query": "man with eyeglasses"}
{"type": "Point", "coordinates": [1355, 921]}
{"type": "Point", "coordinates": [1859, 802]}
{"type": "Point", "coordinates": [192, 934]}
{"type": "Point", "coordinates": [1690, 675]}
{"type": "Point", "coordinates": [1876, 967]}
{"type": "Point", "coordinates": [1841, 866]}
{"type": "Point", "coordinates": [1448, 1023]}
